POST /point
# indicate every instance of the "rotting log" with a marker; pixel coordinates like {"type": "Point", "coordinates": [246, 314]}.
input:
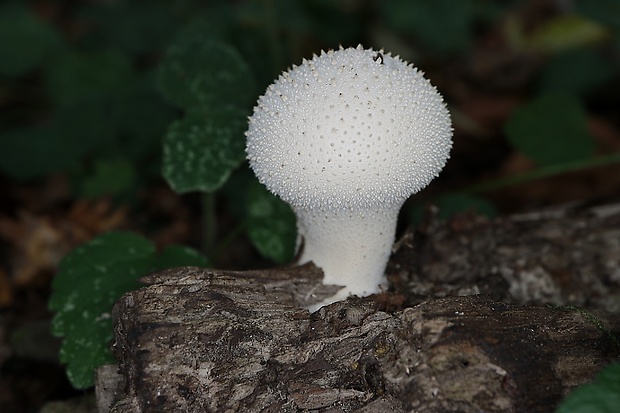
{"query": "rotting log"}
{"type": "Point", "coordinates": [466, 326]}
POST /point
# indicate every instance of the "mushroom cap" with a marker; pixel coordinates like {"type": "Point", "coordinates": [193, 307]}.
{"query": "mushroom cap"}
{"type": "Point", "coordinates": [350, 128]}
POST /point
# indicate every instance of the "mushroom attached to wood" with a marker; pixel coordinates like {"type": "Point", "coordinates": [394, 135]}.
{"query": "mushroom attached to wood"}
{"type": "Point", "coordinates": [345, 138]}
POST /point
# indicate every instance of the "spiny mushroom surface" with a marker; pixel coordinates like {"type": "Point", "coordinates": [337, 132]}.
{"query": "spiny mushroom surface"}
{"type": "Point", "coordinates": [345, 138]}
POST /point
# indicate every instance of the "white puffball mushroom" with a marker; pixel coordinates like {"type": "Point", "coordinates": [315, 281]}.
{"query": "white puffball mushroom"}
{"type": "Point", "coordinates": [345, 138]}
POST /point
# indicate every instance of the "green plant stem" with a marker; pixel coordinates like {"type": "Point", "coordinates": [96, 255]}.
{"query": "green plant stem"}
{"type": "Point", "coordinates": [225, 243]}
{"type": "Point", "coordinates": [209, 224]}
{"type": "Point", "coordinates": [544, 172]}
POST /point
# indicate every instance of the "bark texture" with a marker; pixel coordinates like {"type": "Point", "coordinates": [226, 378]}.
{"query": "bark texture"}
{"type": "Point", "coordinates": [466, 327]}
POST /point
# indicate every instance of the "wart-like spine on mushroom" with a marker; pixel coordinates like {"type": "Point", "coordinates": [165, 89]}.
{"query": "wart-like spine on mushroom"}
{"type": "Point", "coordinates": [345, 138]}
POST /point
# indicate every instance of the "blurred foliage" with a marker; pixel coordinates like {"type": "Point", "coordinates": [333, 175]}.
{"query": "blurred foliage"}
{"type": "Point", "coordinates": [25, 41]}
{"type": "Point", "coordinates": [565, 33]}
{"type": "Point", "coordinates": [108, 176]}
{"type": "Point", "coordinates": [577, 72]}
{"type": "Point", "coordinates": [606, 12]}
{"type": "Point", "coordinates": [442, 27]}
{"type": "Point", "coordinates": [551, 129]}
{"type": "Point", "coordinates": [116, 94]}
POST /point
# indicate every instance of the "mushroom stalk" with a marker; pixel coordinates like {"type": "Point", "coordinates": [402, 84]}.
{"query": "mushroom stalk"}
{"type": "Point", "coordinates": [352, 247]}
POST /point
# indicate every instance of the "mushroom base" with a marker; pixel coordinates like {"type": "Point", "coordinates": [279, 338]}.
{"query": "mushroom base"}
{"type": "Point", "coordinates": [351, 247]}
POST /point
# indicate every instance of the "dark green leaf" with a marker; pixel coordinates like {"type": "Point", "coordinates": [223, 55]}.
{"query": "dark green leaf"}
{"type": "Point", "coordinates": [89, 280]}
{"type": "Point", "coordinates": [109, 177]}
{"type": "Point", "coordinates": [200, 151]}
{"type": "Point", "coordinates": [551, 129]}
{"type": "Point", "coordinates": [83, 127]}
{"type": "Point", "coordinates": [78, 130]}
{"type": "Point", "coordinates": [180, 256]}
{"type": "Point", "coordinates": [332, 21]}
{"type": "Point", "coordinates": [141, 119]}
{"type": "Point", "coordinates": [134, 27]}
{"type": "Point", "coordinates": [30, 153]}
{"type": "Point", "coordinates": [83, 271]}
{"type": "Point", "coordinates": [25, 41]}
{"type": "Point", "coordinates": [22, 157]}
{"type": "Point", "coordinates": [606, 12]}
{"type": "Point", "coordinates": [76, 76]}
{"type": "Point", "coordinates": [271, 224]}
{"type": "Point", "coordinates": [442, 26]}
{"type": "Point", "coordinates": [236, 191]}
{"type": "Point", "coordinates": [128, 126]}
{"type": "Point", "coordinates": [199, 73]}
{"type": "Point", "coordinates": [577, 71]}
{"type": "Point", "coordinates": [600, 396]}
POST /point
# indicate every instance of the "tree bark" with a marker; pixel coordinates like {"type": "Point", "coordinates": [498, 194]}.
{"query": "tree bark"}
{"type": "Point", "coordinates": [465, 327]}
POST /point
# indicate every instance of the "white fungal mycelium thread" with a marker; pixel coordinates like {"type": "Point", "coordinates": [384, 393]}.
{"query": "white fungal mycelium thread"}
{"type": "Point", "coordinates": [346, 138]}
